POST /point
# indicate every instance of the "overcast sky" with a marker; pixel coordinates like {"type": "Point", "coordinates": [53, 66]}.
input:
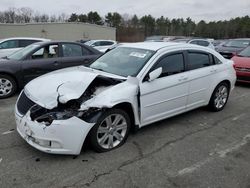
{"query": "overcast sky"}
{"type": "Point", "coordinates": [208, 10]}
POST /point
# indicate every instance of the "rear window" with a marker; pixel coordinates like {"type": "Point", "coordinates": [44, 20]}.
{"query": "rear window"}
{"type": "Point", "coordinates": [72, 50]}
{"type": "Point", "coordinates": [198, 60]}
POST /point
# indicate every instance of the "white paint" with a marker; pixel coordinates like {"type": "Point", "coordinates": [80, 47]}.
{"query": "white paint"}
{"type": "Point", "coordinates": [8, 132]}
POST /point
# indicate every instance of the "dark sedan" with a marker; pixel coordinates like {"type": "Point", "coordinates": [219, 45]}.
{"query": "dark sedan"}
{"type": "Point", "coordinates": [36, 59]}
{"type": "Point", "coordinates": [232, 47]}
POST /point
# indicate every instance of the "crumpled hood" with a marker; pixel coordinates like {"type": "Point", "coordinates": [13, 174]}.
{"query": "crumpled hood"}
{"type": "Point", "coordinates": [62, 85]}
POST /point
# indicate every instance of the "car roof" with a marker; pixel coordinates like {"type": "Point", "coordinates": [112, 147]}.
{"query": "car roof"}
{"type": "Point", "coordinates": [154, 46]}
{"type": "Point", "coordinates": [24, 38]}
{"type": "Point", "coordinates": [56, 41]}
{"type": "Point", "coordinates": [102, 40]}
{"type": "Point", "coordinates": [241, 39]}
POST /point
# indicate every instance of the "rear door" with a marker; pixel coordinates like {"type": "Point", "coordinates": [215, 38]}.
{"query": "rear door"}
{"type": "Point", "coordinates": [201, 71]}
{"type": "Point", "coordinates": [76, 54]}
{"type": "Point", "coordinates": [41, 61]}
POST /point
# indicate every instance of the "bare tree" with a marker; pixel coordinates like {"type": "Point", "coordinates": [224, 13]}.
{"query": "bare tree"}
{"type": "Point", "coordinates": [9, 15]}
{"type": "Point", "coordinates": [26, 13]}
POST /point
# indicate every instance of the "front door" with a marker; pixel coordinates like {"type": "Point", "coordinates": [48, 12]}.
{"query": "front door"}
{"type": "Point", "coordinates": [42, 61]}
{"type": "Point", "coordinates": [166, 95]}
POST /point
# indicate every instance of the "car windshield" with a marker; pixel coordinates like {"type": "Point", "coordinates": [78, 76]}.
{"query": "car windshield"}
{"type": "Point", "coordinates": [245, 52]}
{"type": "Point", "coordinates": [123, 61]}
{"type": "Point", "coordinates": [22, 53]}
{"type": "Point", "coordinates": [237, 43]}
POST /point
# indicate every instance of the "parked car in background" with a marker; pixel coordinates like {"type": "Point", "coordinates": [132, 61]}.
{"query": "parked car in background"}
{"type": "Point", "coordinates": [83, 40]}
{"type": "Point", "coordinates": [162, 38]}
{"type": "Point", "coordinates": [219, 42]}
{"type": "Point", "coordinates": [242, 65]}
{"type": "Point", "coordinates": [11, 45]}
{"type": "Point", "coordinates": [232, 47]}
{"type": "Point", "coordinates": [133, 85]}
{"type": "Point", "coordinates": [39, 58]}
{"type": "Point", "coordinates": [198, 41]}
{"type": "Point", "coordinates": [101, 45]}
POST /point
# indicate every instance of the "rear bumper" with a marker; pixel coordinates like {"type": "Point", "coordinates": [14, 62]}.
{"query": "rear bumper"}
{"type": "Point", "coordinates": [243, 76]}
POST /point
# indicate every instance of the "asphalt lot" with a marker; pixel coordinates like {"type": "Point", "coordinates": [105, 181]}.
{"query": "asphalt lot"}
{"type": "Point", "coordinates": [196, 149]}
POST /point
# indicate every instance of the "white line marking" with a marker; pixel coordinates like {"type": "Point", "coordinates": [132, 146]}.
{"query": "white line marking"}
{"type": "Point", "coordinates": [8, 132]}
{"type": "Point", "coordinates": [193, 167]}
{"type": "Point", "coordinates": [238, 117]}
{"type": "Point", "coordinates": [221, 154]}
{"type": "Point", "coordinates": [244, 141]}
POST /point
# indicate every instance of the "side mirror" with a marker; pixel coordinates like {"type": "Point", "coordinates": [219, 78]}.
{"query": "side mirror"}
{"type": "Point", "coordinates": [155, 74]}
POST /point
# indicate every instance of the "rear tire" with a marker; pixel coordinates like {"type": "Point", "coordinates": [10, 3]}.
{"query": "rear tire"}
{"type": "Point", "coordinates": [110, 131]}
{"type": "Point", "coordinates": [8, 86]}
{"type": "Point", "coordinates": [219, 97]}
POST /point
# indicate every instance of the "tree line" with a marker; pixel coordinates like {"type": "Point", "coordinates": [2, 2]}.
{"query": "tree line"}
{"type": "Point", "coordinates": [134, 28]}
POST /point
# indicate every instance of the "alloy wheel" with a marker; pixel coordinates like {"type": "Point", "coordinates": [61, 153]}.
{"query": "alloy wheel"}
{"type": "Point", "coordinates": [5, 87]}
{"type": "Point", "coordinates": [112, 131]}
{"type": "Point", "coordinates": [221, 96]}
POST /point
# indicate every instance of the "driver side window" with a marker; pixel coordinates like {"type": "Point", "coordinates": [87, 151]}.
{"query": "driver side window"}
{"type": "Point", "coordinates": [50, 51]}
{"type": "Point", "coordinates": [171, 64]}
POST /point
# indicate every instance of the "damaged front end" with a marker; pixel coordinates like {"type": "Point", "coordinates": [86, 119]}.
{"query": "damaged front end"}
{"type": "Point", "coordinates": [69, 108]}
{"type": "Point", "coordinates": [60, 123]}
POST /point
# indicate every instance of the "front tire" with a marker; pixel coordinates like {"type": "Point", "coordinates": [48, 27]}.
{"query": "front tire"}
{"type": "Point", "coordinates": [110, 131]}
{"type": "Point", "coordinates": [8, 86]}
{"type": "Point", "coordinates": [219, 97]}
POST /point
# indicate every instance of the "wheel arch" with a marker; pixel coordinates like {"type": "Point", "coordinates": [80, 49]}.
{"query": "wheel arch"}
{"type": "Point", "coordinates": [224, 81]}
{"type": "Point", "coordinates": [12, 76]}
{"type": "Point", "coordinates": [128, 108]}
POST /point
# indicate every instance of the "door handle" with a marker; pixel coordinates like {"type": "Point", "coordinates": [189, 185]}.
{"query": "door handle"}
{"type": "Point", "coordinates": [86, 60]}
{"type": "Point", "coordinates": [183, 79]}
{"type": "Point", "coordinates": [56, 63]}
{"type": "Point", "coordinates": [213, 70]}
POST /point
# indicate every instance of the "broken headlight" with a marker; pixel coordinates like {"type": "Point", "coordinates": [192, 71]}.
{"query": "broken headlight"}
{"type": "Point", "coordinates": [61, 115]}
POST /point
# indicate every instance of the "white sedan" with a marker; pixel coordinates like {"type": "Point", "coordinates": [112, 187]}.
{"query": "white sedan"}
{"type": "Point", "coordinates": [102, 45]}
{"type": "Point", "coordinates": [10, 45]}
{"type": "Point", "coordinates": [132, 86]}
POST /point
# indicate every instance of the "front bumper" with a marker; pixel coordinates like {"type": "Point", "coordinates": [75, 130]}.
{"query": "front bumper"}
{"type": "Point", "coordinates": [61, 137]}
{"type": "Point", "coordinates": [243, 76]}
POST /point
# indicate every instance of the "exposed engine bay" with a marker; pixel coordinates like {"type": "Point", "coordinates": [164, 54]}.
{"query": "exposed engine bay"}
{"type": "Point", "coordinates": [72, 107]}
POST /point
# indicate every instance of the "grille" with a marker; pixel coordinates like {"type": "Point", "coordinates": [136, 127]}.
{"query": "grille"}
{"type": "Point", "coordinates": [24, 104]}
{"type": "Point", "coordinates": [243, 78]}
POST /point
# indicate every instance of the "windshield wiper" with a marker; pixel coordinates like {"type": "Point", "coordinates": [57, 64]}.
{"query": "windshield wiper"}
{"type": "Point", "coordinates": [100, 69]}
